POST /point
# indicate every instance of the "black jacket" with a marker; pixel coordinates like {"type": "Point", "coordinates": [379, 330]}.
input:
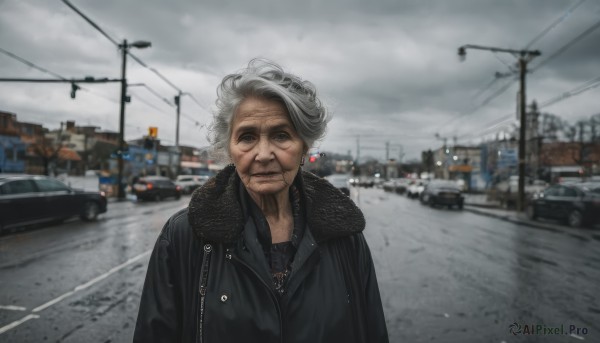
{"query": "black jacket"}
{"type": "Point", "coordinates": [208, 279]}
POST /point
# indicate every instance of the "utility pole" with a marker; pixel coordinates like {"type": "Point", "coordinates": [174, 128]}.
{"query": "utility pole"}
{"type": "Point", "coordinates": [524, 57]}
{"type": "Point", "coordinates": [120, 188]}
{"type": "Point", "coordinates": [357, 149]}
{"type": "Point", "coordinates": [177, 102]}
{"type": "Point", "coordinates": [124, 50]}
{"type": "Point", "coordinates": [387, 151]}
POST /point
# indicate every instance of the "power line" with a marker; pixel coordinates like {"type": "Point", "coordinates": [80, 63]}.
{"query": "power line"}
{"type": "Point", "coordinates": [197, 123]}
{"type": "Point", "coordinates": [135, 58]}
{"type": "Point", "coordinates": [49, 72]}
{"type": "Point", "coordinates": [503, 89]}
{"type": "Point", "coordinates": [151, 90]}
{"type": "Point", "coordinates": [91, 22]}
{"type": "Point", "coordinates": [494, 95]}
{"type": "Point", "coordinates": [29, 63]}
{"type": "Point", "coordinates": [559, 20]}
{"type": "Point", "coordinates": [198, 102]}
{"type": "Point", "coordinates": [482, 90]}
{"type": "Point", "coordinates": [593, 83]}
{"type": "Point", "coordinates": [149, 104]}
{"type": "Point", "coordinates": [567, 46]}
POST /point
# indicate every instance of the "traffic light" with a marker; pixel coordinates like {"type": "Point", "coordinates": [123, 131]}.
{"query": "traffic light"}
{"type": "Point", "coordinates": [74, 89]}
{"type": "Point", "coordinates": [153, 131]}
{"type": "Point", "coordinates": [148, 143]}
{"type": "Point", "coordinates": [177, 100]}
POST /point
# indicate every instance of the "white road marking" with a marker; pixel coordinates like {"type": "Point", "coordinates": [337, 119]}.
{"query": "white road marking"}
{"type": "Point", "coordinates": [18, 322]}
{"type": "Point", "coordinates": [69, 293]}
{"type": "Point", "coordinates": [91, 282]}
{"type": "Point", "coordinates": [52, 302]}
{"type": "Point", "coordinates": [12, 308]}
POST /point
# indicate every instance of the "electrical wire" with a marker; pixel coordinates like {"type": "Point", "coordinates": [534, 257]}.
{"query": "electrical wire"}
{"type": "Point", "coordinates": [30, 64]}
{"type": "Point", "coordinates": [49, 72]}
{"type": "Point", "coordinates": [149, 104]}
{"type": "Point", "coordinates": [591, 84]}
{"type": "Point", "coordinates": [559, 20]}
{"type": "Point", "coordinates": [503, 89]}
{"type": "Point", "coordinates": [155, 93]}
{"type": "Point", "coordinates": [134, 57]}
{"type": "Point", "coordinates": [96, 26]}
{"type": "Point", "coordinates": [202, 106]}
{"type": "Point", "coordinates": [567, 46]}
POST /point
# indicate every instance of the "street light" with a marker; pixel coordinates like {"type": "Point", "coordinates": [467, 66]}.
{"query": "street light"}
{"type": "Point", "coordinates": [524, 57]}
{"type": "Point", "coordinates": [124, 50]}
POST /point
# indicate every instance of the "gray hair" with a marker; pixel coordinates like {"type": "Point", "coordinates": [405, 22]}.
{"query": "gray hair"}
{"type": "Point", "coordinates": [267, 79]}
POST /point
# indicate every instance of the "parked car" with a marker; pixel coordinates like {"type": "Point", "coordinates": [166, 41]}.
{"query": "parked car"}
{"type": "Point", "coordinates": [398, 185]}
{"type": "Point", "coordinates": [156, 188]}
{"type": "Point", "coordinates": [366, 181]}
{"type": "Point", "coordinates": [575, 204]}
{"type": "Point", "coordinates": [442, 192]}
{"type": "Point", "coordinates": [189, 183]}
{"type": "Point", "coordinates": [415, 188]}
{"type": "Point", "coordinates": [32, 199]}
{"type": "Point", "coordinates": [340, 181]}
{"type": "Point", "coordinates": [507, 191]}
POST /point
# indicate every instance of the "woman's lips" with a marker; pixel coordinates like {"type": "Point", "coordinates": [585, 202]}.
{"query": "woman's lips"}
{"type": "Point", "coordinates": [264, 174]}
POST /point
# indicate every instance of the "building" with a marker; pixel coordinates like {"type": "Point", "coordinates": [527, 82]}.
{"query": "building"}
{"type": "Point", "coordinates": [12, 149]}
{"type": "Point", "coordinates": [460, 162]}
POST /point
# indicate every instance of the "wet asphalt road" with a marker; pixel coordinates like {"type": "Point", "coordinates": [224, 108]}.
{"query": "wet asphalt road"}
{"type": "Point", "coordinates": [444, 275]}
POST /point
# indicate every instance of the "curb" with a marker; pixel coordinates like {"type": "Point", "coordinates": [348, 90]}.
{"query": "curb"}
{"type": "Point", "coordinates": [512, 219]}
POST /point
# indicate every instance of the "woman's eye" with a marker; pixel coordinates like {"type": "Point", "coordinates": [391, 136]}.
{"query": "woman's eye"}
{"type": "Point", "coordinates": [246, 138]}
{"type": "Point", "coordinates": [282, 136]}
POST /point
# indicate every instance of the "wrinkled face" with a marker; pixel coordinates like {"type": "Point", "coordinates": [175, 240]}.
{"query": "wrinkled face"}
{"type": "Point", "coordinates": [264, 146]}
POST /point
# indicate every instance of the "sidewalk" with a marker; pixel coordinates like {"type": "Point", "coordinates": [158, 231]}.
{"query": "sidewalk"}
{"type": "Point", "coordinates": [478, 203]}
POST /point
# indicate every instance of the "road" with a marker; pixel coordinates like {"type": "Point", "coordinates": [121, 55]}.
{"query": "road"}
{"type": "Point", "coordinates": [444, 275]}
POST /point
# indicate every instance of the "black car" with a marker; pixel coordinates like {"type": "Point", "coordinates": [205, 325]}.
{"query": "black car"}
{"type": "Point", "coordinates": [442, 192]}
{"type": "Point", "coordinates": [156, 188]}
{"type": "Point", "coordinates": [575, 204]}
{"type": "Point", "coordinates": [31, 199]}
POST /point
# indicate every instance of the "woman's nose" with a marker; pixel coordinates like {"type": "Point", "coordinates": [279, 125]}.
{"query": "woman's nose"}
{"type": "Point", "coordinates": [264, 150]}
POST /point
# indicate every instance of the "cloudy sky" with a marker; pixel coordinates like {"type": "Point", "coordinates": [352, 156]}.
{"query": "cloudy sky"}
{"type": "Point", "coordinates": [387, 69]}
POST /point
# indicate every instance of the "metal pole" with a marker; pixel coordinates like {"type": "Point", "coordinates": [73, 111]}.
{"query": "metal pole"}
{"type": "Point", "coordinates": [120, 189]}
{"type": "Point", "coordinates": [521, 194]}
{"type": "Point", "coordinates": [387, 151]}
{"type": "Point", "coordinates": [178, 103]}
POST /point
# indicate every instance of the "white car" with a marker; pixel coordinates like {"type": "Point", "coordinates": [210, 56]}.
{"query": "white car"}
{"type": "Point", "coordinates": [189, 183]}
{"type": "Point", "coordinates": [415, 188]}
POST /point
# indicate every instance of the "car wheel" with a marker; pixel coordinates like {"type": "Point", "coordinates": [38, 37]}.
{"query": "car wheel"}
{"type": "Point", "coordinates": [157, 198]}
{"type": "Point", "coordinates": [460, 206]}
{"type": "Point", "coordinates": [90, 211]}
{"type": "Point", "coordinates": [531, 214]}
{"type": "Point", "coordinates": [177, 196]}
{"type": "Point", "coordinates": [575, 219]}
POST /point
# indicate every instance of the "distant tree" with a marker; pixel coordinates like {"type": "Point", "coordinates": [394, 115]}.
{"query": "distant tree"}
{"type": "Point", "coordinates": [47, 150]}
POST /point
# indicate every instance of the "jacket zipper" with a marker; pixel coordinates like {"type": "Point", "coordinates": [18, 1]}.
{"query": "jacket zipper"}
{"type": "Point", "coordinates": [202, 290]}
{"type": "Point", "coordinates": [273, 296]}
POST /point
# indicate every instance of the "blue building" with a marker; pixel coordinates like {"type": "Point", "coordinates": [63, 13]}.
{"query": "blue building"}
{"type": "Point", "coordinates": [12, 154]}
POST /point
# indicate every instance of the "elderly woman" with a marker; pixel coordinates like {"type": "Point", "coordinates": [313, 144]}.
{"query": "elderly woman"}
{"type": "Point", "coordinates": [265, 252]}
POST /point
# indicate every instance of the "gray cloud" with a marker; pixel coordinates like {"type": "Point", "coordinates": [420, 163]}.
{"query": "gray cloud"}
{"type": "Point", "coordinates": [387, 69]}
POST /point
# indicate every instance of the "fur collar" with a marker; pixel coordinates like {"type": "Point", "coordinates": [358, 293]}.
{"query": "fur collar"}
{"type": "Point", "coordinates": [215, 213]}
